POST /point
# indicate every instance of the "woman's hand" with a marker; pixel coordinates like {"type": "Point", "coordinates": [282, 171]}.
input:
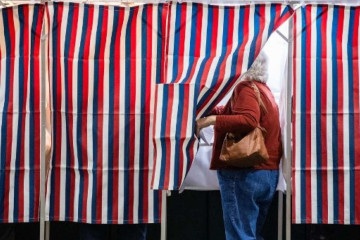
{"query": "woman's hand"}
{"type": "Point", "coordinates": [204, 122]}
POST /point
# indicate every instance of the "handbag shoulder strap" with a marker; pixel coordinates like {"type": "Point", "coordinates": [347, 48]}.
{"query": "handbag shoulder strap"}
{"type": "Point", "coordinates": [257, 92]}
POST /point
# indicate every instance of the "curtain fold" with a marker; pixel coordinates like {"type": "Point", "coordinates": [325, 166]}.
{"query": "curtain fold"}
{"type": "Point", "coordinates": [20, 33]}
{"type": "Point", "coordinates": [104, 62]}
{"type": "Point", "coordinates": [208, 48]}
{"type": "Point", "coordinates": [326, 121]}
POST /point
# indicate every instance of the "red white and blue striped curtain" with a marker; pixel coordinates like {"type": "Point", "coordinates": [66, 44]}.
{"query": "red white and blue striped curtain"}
{"type": "Point", "coordinates": [208, 48]}
{"type": "Point", "coordinates": [326, 115]}
{"type": "Point", "coordinates": [104, 62]}
{"type": "Point", "coordinates": [20, 38]}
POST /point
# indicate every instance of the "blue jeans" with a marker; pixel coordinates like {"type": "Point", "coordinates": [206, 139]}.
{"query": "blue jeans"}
{"type": "Point", "coordinates": [246, 196]}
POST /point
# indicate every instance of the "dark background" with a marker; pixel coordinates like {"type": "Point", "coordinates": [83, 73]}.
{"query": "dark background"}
{"type": "Point", "coordinates": [191, 215]}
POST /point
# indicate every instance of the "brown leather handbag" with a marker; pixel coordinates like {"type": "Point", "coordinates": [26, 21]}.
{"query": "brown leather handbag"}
{"type": "Point", "coordinates": [247, 151]}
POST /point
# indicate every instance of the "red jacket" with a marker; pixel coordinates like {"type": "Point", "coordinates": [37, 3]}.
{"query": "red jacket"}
{"type": "Point", "coordinates": [243, 117]}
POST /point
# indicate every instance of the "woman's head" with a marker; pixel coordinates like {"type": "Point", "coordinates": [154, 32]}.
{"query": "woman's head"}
{"type": "Point", "coordinates": [258, 70]}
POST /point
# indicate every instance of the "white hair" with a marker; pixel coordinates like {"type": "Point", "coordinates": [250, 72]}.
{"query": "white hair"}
{"type": "Point", "coordinates": [258, 70]}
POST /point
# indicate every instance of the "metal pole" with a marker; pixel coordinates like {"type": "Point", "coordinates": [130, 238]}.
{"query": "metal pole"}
{"type": "Point", "coordinates": [288, 157]}
{"type": "Point", "coordinates": [163, 215]}
{"type": "Point", "coordinates": [280, 214]}
{"type": "Point", "coordinates": [47, 230]}
{"type": "Point", "coordinates": [280, 194]}
{"type": "Point", "coordinates": [43, 231]}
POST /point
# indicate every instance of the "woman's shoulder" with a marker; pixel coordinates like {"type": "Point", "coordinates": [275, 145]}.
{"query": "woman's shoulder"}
{"type": "Point", "coordinates": [242, 90]}
{"type": "Point", "coordinates": [249, 84]}
{"type": "Point", "coordinates": [245, 85]}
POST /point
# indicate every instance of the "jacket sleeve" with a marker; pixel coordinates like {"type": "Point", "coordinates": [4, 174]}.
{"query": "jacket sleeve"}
{"type": "Point", "coordinates": [245, 112]}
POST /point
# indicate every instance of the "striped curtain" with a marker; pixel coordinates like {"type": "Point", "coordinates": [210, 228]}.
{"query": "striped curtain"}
{"type": "Point", "coordinates": [326, 115]}
{"type": "Point", "coordinates": [20, 38]}
{"type": "Point", "coordinates": [208, 48]}
{"type": "Point", "coordinates": [104, 62]}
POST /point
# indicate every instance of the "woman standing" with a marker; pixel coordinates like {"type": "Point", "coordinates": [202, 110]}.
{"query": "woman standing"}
{"type": "Point", "coordinates": [246, 194]}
